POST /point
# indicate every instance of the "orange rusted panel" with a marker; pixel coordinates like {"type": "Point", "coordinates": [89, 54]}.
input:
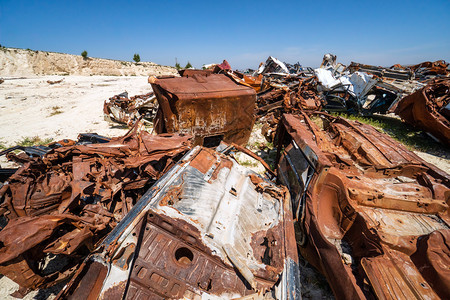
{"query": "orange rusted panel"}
{"type": "Point", "coordinates": [208, 229]}
{"type": "Point", "coordinates": [211, 108]}
{"type": "Point", "coordinates": [429, 109]}
{"type": "Point", "coordinates": [63, 203]}
{"type": "Point", "coordinates": [372, 216]}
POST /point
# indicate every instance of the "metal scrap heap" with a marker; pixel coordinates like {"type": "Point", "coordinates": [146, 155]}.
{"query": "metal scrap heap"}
{"type": "Point", "coordinates": [429, 109]}
{"type": "Point", "coordinates": [64, 203]}
{"type": "Point", "coordinates": [124, 110]}
{"type": "Point", "coordinates": [372, 216]}
{"type": "Point", "coordinates": [209, 228]}
{"type": "Point", "coordinates": [175, 216]}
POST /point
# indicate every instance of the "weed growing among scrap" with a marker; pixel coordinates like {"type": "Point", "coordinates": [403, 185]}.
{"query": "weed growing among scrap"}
{"type": "Point", "coordinates": [33, 141]}
{"type": "Point", "coordinates": [412, 138]}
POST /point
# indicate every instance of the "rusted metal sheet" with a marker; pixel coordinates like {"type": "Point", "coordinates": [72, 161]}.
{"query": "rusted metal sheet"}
{"type": "Point", "coordinates": [192, 72]}
{"type": "Point", "coordinates": [251, 81]}
{"type": "Point", "coordinates": [371, 216]}
{"type": "Point", "coordinates": [428, 109]}
{"type": "Point", "coordinates": [210, 108]}
{"type": "Point", "coordinates": [124, 110]}
{"type": "Point", "coordinates": [286, 95]}
{"type": "Point", "coordinates": [63, 203]}
{"type": "Point", "coordinates": [430, 69]}
{"type": "Point", "coordinates": [208, 229]}
{"type": "Point", "coordinates": [387, 73]}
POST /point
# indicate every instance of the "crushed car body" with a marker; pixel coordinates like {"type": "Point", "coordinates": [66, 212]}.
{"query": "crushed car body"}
{"type": "Point", "coordinates": [370, 215]}
{"type": "Point", "coordinates": [428, 109]}
{"type": "Point", "coordinates": [124, 110]}
{"type": "Point", "coordinates": [363, 89]}
{"type": "Point", "coordinates": [208, 229]}
{"type": "Point", "coordinates": [61, 204]}
{"type": "Point", "coordinates": [211, 108]}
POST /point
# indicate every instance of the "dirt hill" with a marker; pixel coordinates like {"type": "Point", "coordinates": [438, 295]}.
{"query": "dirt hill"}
{"type": "Point", "coordinates": [20, 62]}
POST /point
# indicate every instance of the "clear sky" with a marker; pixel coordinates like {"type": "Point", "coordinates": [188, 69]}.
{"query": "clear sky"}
{"type": "Point", "coordinates": [243, 32]}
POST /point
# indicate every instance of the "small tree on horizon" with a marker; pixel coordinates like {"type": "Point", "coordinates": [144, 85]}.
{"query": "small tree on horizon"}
{"type": "Point", "coordinates": [188, 65]}
{"type": "Point", "coordinates": [136, 57]}
{"type": "Point", "coordinates": [84, 54]}
{"type": "Point", "coordinates": [177, 66]}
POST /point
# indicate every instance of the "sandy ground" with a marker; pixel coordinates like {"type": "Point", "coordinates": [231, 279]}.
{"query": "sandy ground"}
{"type": "Point", "coordinates": [31, 107]}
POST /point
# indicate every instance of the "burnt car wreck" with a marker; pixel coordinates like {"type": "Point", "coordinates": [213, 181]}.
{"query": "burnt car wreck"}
{"type": "Point", "coordinates": [370, 215]}
{"type": "Point", "coordinates": [429, 109]}
{"type": "Point", "coordinates": [61, 204]}
{"type": "Point", "coordinates": [208, 228]}
{"type": "Point", "coordinates": [124, 110]}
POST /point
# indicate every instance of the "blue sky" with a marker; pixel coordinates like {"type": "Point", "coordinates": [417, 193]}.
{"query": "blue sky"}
{"type": "Point", "coordinates": [243, 32]}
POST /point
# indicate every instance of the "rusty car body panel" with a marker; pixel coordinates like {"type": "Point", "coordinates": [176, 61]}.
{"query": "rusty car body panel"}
{"type": "Point", "coordinates": [370, 215]}
{"type": "Point", "coordinates": [210, 108]}
{"type": "Point", "coordinates": [208, 229]}
{"type": "Point", "coordinates": [428, 109]}
{"type": "Point", "coordinates": [385, 73]}
{"type": "Point", "coordinates": [430, 69]}
{"type": "Point", "coordinates": [285, 94]}
{"type": "Point", "coordinates": [62, 204]}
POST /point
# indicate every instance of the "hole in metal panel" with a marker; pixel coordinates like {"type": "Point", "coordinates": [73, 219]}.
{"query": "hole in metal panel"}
{"type": "Point", "coordinates": [184, 256]}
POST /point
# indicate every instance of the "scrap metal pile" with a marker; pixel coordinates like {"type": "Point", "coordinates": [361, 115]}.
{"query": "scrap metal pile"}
{"type": "Point", "coordinates": [356, 88]}
{"type": "Point", "coordinates": [63, 203]}
{"type": "Point", "coordinates": [286, 88]}
{"type": "Point", "coordinates": [209, 229]}
{"type": "Point", "coordinates": [173, 215]}
{"type": "Point", "coordinates": [372, 216]}
{"type": "Point", "coordinates": [124, 110]}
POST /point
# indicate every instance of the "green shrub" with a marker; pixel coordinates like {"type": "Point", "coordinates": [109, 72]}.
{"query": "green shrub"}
{"type": "Point", "coordinates": [84, 54]}
{"type": "Point", "coordinates": [136, 58]}
{"type": "Point", "coordinates": [188, 65]}
{"type": "Point", "coordinates": [177, 66]}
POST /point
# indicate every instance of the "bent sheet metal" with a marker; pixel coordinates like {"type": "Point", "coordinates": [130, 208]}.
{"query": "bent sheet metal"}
{"type": "Point", "coordinates": [209, 228]}
{"type": "Point", "coordinates": [62, 204]}
{"type": "Point", "coordinates": [372, 216]}
{"type": "Point", "coordinates": [428, 109]}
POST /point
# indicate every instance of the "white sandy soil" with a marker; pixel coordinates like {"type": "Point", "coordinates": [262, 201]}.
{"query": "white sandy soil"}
{"type": "Point", "coordinates": [31, 107]}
